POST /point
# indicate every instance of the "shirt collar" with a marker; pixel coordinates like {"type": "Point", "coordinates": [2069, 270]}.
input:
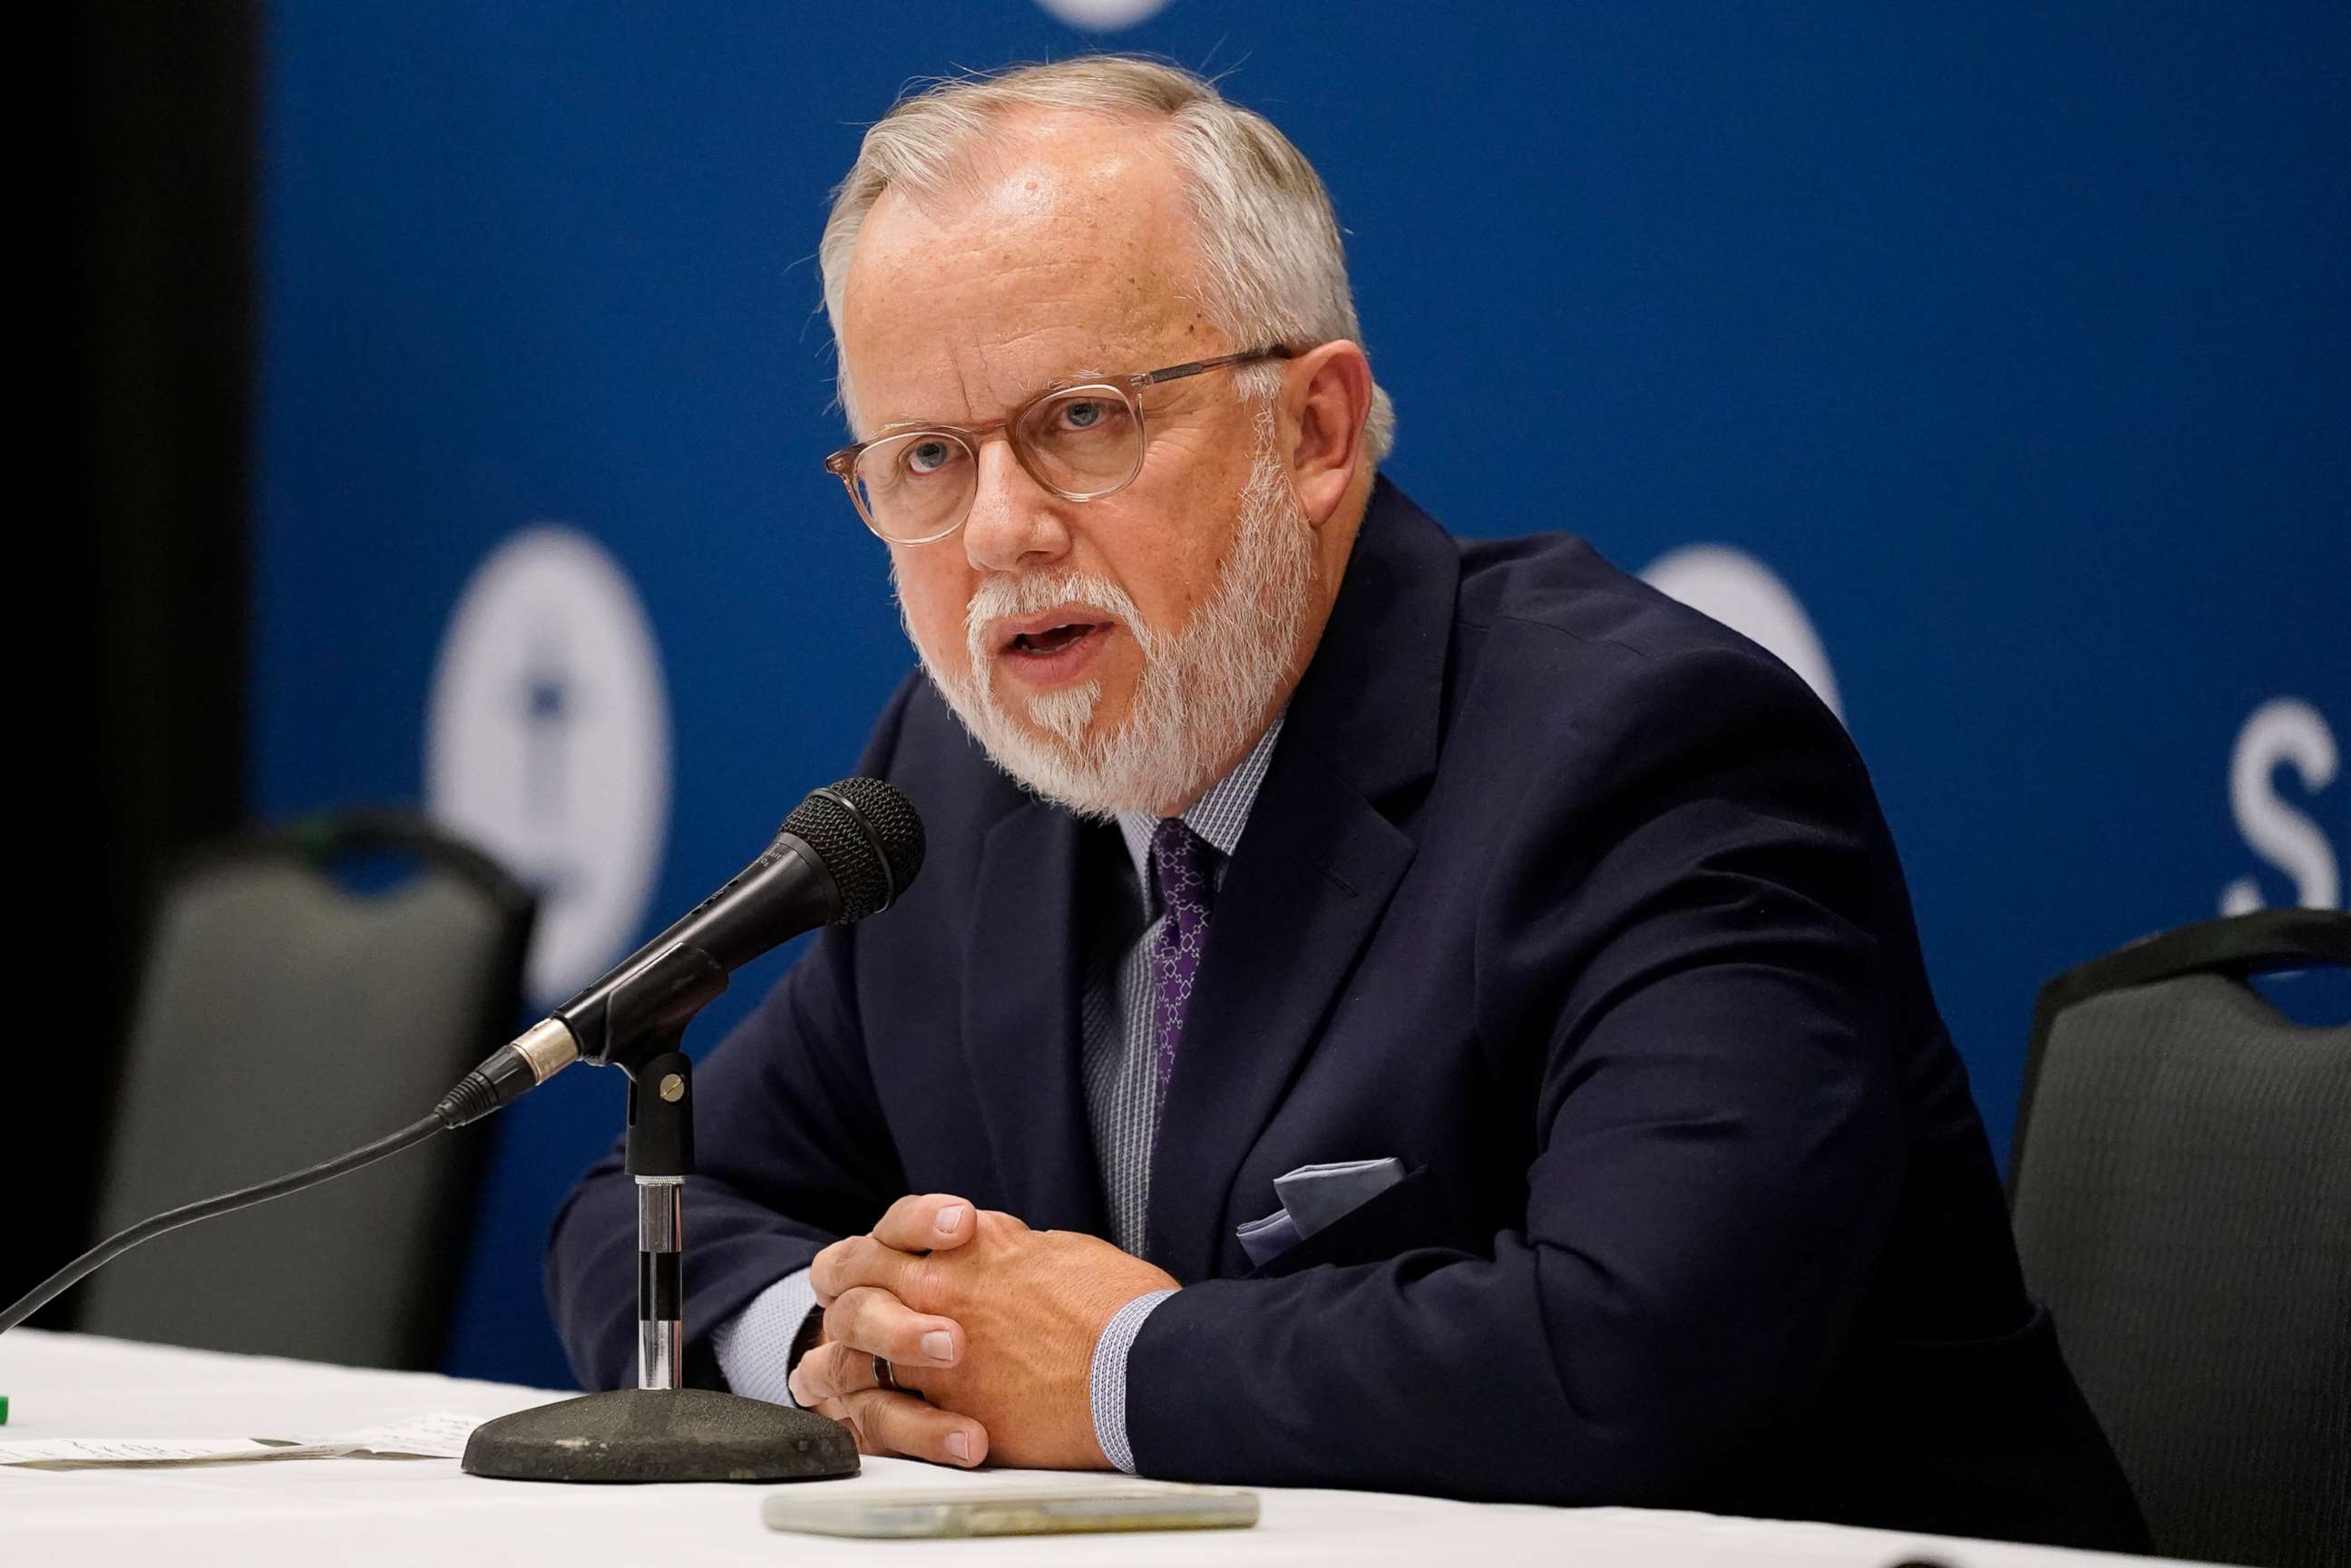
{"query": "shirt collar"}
{"type": "Point", "coordinates": [1217, 816]}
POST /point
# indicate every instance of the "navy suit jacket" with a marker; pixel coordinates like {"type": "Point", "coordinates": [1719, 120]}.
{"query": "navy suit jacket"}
{"type": "Point", "coordinates": [1577, 903]}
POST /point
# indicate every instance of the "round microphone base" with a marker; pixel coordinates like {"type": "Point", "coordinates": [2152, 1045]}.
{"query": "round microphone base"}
{"type": "Point", "coordinates": [662, 1435]}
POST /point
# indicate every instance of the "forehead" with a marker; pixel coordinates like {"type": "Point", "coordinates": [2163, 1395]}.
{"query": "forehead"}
{"type": "Point", "coordinates": [1066, 247]}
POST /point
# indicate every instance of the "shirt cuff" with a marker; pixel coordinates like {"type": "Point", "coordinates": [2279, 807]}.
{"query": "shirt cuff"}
{"type": "Point", "coordinates": [755, 1346]}
{"type": "Point", "coordinates": [1107, 1387]}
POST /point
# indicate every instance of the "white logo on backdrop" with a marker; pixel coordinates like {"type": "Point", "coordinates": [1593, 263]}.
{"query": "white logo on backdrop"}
{"type": "Point", "coordinates": [1103, 16]}
{"type": "Point", "coordinates": [548, 744]}
{"type": "Point", "coordinates": [2287, 730]}
{"type": "Point", "coordinates": [1745, 595]}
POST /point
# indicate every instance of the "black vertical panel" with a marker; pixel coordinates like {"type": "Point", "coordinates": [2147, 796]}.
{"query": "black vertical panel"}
{"type": "Point", "coordinates": [131, 562]}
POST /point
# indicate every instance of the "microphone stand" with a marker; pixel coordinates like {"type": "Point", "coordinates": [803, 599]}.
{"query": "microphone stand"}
{"type": "Point", "coordinates": [660, 1430]}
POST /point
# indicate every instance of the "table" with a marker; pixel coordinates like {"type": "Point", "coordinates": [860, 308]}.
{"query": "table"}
{"type": "Point", "coordinates": [426, 1511]}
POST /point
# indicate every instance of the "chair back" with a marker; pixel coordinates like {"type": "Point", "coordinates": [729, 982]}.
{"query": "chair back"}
{"type": "Point", "coordinates": [283, 1017]}
{"type": "Point", "coordinates": [2180, 1185]}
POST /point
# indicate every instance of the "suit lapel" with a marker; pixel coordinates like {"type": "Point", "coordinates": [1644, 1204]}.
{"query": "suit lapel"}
{"type": "Point", "coordinates": [1313, 873]}
{"type": "Point", "coordinates": [1020, 1017]}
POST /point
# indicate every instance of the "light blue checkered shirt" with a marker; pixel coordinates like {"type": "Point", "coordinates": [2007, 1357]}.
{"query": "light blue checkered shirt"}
{"type": "Point", "coordinates": [754, 1347]}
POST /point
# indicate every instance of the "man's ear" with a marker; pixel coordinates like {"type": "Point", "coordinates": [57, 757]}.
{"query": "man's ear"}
{"type": "Point", "coordinates": [1328, 394]}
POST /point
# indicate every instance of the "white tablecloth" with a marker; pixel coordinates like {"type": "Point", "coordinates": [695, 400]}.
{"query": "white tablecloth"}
{"type": "Point", "coordinates": [305, 1512]}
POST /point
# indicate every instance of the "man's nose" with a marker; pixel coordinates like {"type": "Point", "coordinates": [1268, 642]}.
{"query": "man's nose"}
{"type": "Point", "coordinates": [1014, 521]}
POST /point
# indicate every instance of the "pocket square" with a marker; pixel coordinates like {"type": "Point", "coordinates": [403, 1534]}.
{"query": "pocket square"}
{"type": "Point", "coordinates": [1268, 1239]}
{"type": "Point", "coordinates": [1313, 1197]}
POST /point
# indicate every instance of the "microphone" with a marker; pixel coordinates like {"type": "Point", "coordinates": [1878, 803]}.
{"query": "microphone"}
{"type": "Point", "coordinates": [848, 850]}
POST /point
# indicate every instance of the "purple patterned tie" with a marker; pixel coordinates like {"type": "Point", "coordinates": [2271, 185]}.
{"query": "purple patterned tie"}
{"type": "Point", "coordinates": [1179, 865]}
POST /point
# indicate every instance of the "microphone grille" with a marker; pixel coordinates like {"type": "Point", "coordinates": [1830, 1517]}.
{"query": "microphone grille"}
{"type": "Point", "coordinates": [867, 836]}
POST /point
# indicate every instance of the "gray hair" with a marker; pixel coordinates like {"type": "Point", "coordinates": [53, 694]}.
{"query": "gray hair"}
{"type": "Point", "coordinates": [1275, 270]}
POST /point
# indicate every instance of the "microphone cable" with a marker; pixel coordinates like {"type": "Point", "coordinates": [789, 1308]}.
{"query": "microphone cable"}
{"type": "Point", "coordinates": [122, 1241]}
{"type": "Point", "coordinates": [863, 839]}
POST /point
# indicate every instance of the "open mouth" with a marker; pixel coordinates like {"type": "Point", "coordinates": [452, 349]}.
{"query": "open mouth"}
{"type": "Point", "coordinates": [1052, 648]}
{"type": "Point", "coordinates": [1051, 640]}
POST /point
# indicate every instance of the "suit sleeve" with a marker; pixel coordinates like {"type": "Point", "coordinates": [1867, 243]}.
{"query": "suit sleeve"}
{"type": "Point", "coordinates": [791, 1151]}
{"type": "Point", "coordinates": [1675, 948]}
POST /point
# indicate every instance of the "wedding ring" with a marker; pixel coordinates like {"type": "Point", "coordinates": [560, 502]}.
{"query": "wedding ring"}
{"type": "Point", "coordinates": [884, 1376]}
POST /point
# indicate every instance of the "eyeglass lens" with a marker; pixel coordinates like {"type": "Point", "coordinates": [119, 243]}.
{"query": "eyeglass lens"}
{"type": "Point", "coordinates": [1082, 443]}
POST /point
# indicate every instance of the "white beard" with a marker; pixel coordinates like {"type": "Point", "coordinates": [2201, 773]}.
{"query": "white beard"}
{"type": "Point", "coordinates": [1206, 691]}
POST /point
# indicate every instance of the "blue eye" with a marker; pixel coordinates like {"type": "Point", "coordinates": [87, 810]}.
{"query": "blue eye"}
{"type": "Point", "coordinates": [1084, 414]}
{"type": "Point", "coordinates": [928, 456]}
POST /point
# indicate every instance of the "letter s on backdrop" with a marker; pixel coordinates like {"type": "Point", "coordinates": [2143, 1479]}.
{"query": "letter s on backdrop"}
{"type": "Point", "coordinates": [2284, 729]}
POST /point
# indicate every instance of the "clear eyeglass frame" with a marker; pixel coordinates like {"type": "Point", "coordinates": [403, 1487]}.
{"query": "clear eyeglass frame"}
{"type": "Point", "coordinates": [843, 464]}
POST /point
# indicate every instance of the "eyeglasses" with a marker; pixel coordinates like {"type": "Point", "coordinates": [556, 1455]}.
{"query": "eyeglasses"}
{"type": "Point", "coordinates": [914, 486]}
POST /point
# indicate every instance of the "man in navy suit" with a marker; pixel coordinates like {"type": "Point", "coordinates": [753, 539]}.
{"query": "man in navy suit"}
{"type": "Point", "coordinates": [1380, 1010]}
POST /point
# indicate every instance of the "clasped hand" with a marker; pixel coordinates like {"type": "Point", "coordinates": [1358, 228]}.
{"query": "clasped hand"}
{"type": "Point", "coordinates": [988, 1328]}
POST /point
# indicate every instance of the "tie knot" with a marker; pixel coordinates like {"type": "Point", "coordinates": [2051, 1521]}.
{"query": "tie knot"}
{"type": "Point", "coordinates": [1179, 864]}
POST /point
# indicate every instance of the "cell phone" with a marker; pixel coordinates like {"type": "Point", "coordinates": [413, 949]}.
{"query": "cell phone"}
{"type": "Point", "coordinates": [1010, 1510]}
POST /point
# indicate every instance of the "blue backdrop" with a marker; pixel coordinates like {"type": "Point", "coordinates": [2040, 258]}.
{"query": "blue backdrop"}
{"type": "Point", "coordinates": [2016, 346]}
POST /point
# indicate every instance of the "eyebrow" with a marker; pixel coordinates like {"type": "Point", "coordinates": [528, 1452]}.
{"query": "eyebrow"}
{"type": "Point", "coordinates": [1084, 375]}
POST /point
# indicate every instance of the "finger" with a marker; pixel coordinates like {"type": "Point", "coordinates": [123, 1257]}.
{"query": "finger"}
{"type": "Point", "coordinates": [829, 1371]}
{"type": "Point", "coordinates": [926, 1222]}
{"type": "Point", "coordinates": [838, 1410]}
{"type": "Point", "coordinates": [902, 1424]}
{"type": "Point", "coordinates": [828, 1262]}
{"type": "Point", "coordinates": [818, 1267]}
{"type": "Point", "coordinates": [857, 1260]}
{"type": "Point", "coordinates": [867, 1318]}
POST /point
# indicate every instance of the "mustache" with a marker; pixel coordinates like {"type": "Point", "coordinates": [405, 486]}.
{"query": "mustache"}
{"type": "Point", "coordinates": [1000, 598]}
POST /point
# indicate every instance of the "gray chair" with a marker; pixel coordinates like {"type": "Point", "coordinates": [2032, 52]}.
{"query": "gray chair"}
{"type": "Point", "coordinates": [282, 1018]}
{"type": "Point", "coordinates": [2181, 1191]}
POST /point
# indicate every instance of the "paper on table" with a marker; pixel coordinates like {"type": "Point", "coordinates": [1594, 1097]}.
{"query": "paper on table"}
{"type": "Point", "coordinates": [441, 1435]}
